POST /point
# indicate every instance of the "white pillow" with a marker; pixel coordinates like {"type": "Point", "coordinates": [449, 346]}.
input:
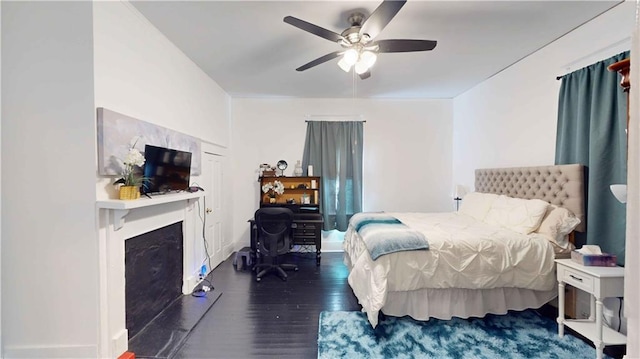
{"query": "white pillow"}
{"type": "Point", "coordinates": [477, 204]}
{"type": "Point", "coordinates": [557, 223]}
{"type": "Point", "coordinates": [517, 214]}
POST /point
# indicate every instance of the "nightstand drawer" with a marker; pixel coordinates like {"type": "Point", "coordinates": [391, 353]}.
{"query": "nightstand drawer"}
{"type": "Point", "coordinates": [577, 279]}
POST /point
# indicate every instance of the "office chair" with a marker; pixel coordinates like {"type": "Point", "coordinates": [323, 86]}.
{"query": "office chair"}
{"type": "Point", "coordinates": [274, 226]}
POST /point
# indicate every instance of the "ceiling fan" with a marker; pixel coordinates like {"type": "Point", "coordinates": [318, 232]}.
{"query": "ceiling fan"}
{"type": "Point", "coordinates": [359, 47]}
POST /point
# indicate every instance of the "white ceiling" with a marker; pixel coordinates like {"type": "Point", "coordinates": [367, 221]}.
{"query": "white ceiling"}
{"type": "Point", "coordinates": [250, 52]}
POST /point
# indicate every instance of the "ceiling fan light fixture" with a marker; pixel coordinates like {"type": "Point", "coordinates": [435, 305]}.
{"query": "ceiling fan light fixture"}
{"type": "Point", "coordinates": [361, 67]}
{"type": "Point", "coordinates": [344, 65]}
{"type": "Point", "coordinates": [358, 41]}
{"type": "Point", "coordinates": [369, 58]}
{"type": "Point", "coordinates": [351, 57]}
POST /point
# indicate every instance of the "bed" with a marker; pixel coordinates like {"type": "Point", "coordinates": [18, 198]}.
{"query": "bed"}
{"type": "Point", "coordinates": [495, 254]}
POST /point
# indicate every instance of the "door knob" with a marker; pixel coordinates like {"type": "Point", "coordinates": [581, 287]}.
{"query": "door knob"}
{"type": "Point", "coordinates": [208, 210]}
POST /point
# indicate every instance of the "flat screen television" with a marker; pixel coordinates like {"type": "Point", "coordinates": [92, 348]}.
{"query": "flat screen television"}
{"type": "Point", "coordinates": [165, 170]}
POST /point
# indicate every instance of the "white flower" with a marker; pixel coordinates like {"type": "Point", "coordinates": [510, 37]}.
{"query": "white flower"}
{"type": "Point", "coordinates": [134, 157]}
{"type": "Point", "coordinates": [278, 187]}
{"type": "Point", "coordinates": [267, 187]}
{"type": "Point", "coordinates": [131, 161]}
{"type": "Point", "coordinates": [273, 188]}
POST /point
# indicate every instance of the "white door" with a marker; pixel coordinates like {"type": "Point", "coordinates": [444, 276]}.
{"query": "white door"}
{"type": "Point", "coordinates": [212, 171]}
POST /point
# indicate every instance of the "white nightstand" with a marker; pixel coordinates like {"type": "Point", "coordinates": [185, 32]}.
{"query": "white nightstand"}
{"type": "Point", "coordinates": [600, 282]}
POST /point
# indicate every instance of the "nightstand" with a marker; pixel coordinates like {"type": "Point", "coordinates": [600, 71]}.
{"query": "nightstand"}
{"type": "Point", "coordinates": [600, 282]}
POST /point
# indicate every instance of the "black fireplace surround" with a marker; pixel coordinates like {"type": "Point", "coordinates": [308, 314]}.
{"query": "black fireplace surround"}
{"type": "Point", "coordinates": [153, 274]}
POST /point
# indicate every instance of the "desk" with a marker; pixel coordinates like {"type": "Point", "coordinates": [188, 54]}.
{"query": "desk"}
{"type": "Point", "coordinates": [600, 282]}
{"type": "Point", "coordinates": [307, 229]}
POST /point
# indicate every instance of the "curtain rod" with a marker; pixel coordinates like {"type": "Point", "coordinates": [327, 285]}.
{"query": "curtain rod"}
{"type": "Point", "coordinates": [334, 118]}
{"type": "Point", "coordinates": [601, 54]}
{"type": "Point", "coordinates": [363, 121]}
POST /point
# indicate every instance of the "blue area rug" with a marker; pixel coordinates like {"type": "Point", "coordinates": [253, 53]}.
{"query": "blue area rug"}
{"type": "Point", "coordinates": [515, 335]}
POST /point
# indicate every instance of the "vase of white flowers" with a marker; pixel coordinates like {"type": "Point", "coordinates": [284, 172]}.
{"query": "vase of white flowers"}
{"type": "Point", "coordinates": [273, 190]}
{"type": "Point", "coordinates": [131, 178]}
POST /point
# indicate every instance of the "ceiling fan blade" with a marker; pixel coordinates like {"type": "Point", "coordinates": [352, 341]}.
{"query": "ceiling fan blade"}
{"type": "Point", "coordinates": [365, 75]}
{"type": "Point", "coordinates": [405, 45]}
{"type": "Point", "coordinates": [380, 17]}
{"type": "Point", "coordinates": [314, 29]}
{"type": "Point", "coordinates": [320, 60]}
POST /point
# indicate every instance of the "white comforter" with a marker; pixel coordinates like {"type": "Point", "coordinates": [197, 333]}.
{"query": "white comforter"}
{"type": "Point", "coordinates": [463, 253]}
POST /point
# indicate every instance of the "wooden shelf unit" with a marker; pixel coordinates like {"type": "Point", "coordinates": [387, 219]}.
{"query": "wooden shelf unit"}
{"type": "Point", "coordinates": [294, 189]}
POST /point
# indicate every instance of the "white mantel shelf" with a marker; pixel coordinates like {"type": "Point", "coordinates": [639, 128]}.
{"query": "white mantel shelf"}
{"type": "Point", "coordinates": [121, 207]}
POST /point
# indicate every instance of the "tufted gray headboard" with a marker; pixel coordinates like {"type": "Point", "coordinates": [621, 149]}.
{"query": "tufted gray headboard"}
{"type": "Point", "coordinates": [562, 185]}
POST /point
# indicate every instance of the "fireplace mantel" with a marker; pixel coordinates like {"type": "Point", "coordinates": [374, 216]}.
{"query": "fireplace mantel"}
{"type": "Point", "coordinates": [121, 207]}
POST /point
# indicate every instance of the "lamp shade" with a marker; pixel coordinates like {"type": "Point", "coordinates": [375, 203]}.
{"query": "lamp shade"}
{"type": "Point", "coordinates": [350, 56]}
{"type": "Point", "coordinates": [361, 67]}
{"type": "Point", "coordinates": [459, 191]}
{"type": "Point", "coordinates": [620, 192]}
{"type": "Point", "coordinates": [344, 65]}
{"type": "Point", "coordinates": [369, 58]}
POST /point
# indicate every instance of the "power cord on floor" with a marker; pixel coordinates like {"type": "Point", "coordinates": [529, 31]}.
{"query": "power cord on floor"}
{"type": "Point", "coordinates": [204, 232]}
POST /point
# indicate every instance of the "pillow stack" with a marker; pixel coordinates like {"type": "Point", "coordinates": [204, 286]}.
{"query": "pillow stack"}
{"type": "Point", "coordinates": [521, 215]}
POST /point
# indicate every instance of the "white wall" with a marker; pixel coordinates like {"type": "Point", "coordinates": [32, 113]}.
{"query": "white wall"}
{"type": "Point", "coordinates": [53, 79]}
{"type": "Point", "coordinates": [632, 267]}
{"type": "Point", "coordinates": [1, 347]}
{"type": "Point", "coordinates": [140, 73]}
{"type": "Point", "coordinates": [49, 241]}
{"type": "Point", "coordinates": [407, 150]}
{"type": "Point", "coordinates": [510, 119]}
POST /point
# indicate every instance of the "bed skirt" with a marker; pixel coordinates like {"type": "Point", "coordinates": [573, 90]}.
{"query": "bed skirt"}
{"type": "Point", "coordinates": [444, 304]}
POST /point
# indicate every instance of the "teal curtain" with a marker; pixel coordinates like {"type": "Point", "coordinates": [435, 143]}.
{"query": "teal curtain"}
{"type": "Point", "coordinates": [592, 118]}
{"type": "Point", "coordinates": [334, 149]}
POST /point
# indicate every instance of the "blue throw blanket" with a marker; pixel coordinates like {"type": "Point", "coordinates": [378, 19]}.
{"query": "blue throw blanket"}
{"type": "Point", "coordinates": [383, 234]}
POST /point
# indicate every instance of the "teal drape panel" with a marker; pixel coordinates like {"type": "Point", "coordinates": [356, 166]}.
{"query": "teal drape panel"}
{"type": "Point", "coordinates": [592, 117]}
{"type": "Point", "coordinates": [334, 149]}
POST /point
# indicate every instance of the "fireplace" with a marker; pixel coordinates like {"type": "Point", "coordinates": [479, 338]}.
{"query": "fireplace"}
{"type": "Point", "coordinates": [153, 274]}
{"type": "Point", "coordinates": [123, 221]}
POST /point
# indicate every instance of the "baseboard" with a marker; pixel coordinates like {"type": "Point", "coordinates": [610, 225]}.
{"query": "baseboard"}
{"type": "Point", "coordinates": [48, 352]}
{"type": "Point", "coordinates": [190, 283]}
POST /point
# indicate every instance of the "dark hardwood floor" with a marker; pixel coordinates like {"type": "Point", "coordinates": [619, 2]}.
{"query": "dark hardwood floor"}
{"type": "Point", "coordinates": [271, 318]}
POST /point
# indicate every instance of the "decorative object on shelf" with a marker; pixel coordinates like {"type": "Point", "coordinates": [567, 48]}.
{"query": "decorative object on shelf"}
{"type": "Point", "coordinates": [273, 189]}
{"type": "Point", "coordinates": [131, 178]}
{"type": "Point", "coordinates": [310, 171]}
{"type": "Point", "coordinates": [263, 167]}
{"type": "Point", "coordinates": [129, 192]}
{"type": "Point", "coordinates": [297, 171]}
{"type": "Point", "coordinates": [282, 165]}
